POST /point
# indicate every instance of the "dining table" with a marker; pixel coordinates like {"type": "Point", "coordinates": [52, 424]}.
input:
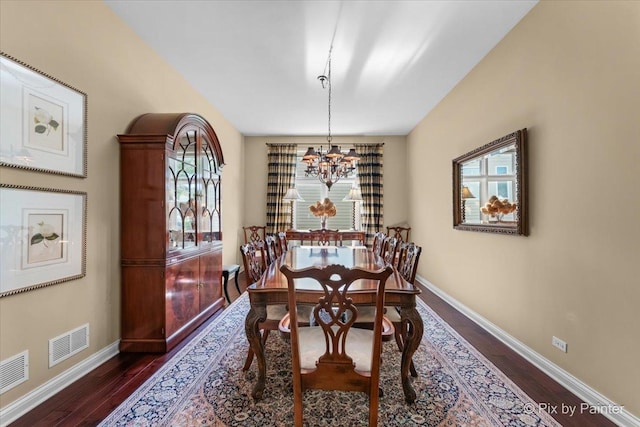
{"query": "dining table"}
{"type": "Point", "coordinates": [272, 289]}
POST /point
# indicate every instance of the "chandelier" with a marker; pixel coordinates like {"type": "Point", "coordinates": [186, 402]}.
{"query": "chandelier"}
{"type": "Point", "coordinates": [332, 165]}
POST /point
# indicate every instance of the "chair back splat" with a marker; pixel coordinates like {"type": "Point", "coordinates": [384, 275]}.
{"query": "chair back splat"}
{"type": "Point", "coordinates": [390, 250]}
{"type": "Point", "coordinates": [271, 249]}
{"type": "Point", "coordinates": [253, 258]}
{"type": "Point", "coordinates": [408, 261]}
{"type": "Point", "coordinates": [333, 355]}
{"type": "Point", "coordinates": [283, 245]}
{"type": "Point", "coordinates": [401, 233]}
{"type": "Point", "coordinates": [254, 233]}
{"type": "Point", "coordinates": [378, 243]}
{"type": "Point", "coordinates": [326, 237]}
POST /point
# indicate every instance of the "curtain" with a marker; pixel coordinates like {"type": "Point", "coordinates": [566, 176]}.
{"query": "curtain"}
{"type": "Point", "coordinates": [281, 175]}
{"type": "Point", "coordinates": [370, 179]}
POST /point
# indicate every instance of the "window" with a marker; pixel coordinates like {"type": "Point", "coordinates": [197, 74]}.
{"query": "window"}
{"type": "Point", "coordinates": [312, 190]}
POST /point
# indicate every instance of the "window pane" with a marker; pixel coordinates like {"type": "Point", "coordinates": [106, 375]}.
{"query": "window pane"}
{"type": "Point", "coordinates": [310, 192]}
{"type": "Point", "coordinates": [471, 167]}
{"type": "Point", "coordinates": [472, 206]}
{"type": "Point", "coordinates": [342, 220]}
{"type": "Point", "coordinates": [500, 164]}
{"type": "Point", "coordinates": [502, 189]}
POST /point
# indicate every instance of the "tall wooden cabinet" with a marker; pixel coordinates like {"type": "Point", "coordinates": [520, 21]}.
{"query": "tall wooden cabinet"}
{"type": "Point", "coordinates": [171, 235]}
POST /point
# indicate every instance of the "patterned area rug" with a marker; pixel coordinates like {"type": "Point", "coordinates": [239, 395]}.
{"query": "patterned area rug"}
{"type": "Point", "coordinates": [204, 384]}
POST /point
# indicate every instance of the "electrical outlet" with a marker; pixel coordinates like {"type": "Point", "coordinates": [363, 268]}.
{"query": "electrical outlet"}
{"type": "Point", "coordinates": [557, 342]}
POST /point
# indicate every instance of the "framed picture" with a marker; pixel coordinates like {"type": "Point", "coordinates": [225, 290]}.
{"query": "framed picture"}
{"type": "Point", "coordinates": [42, 237]}
{"type": "Point", "coordinates": [43, 122]}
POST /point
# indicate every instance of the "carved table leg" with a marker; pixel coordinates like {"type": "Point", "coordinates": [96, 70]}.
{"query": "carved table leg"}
{"type": "Point", "coordinates": [414, 328]}
{"type": "Point", "coordinates": [257, 314]}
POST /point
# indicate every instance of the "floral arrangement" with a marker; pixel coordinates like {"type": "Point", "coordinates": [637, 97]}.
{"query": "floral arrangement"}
{"type": "Point", "coordinates": [497, 208]}
{"type": "Point", "coordinates": [326, 208]}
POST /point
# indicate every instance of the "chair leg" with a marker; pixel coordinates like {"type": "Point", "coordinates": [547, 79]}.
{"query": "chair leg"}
{"type": "Point", "coordinates": [398, 335]}
{"type": "Point", "coordinates": [297, 408]}
{"type": "Point", "coordinates": [373, 410]}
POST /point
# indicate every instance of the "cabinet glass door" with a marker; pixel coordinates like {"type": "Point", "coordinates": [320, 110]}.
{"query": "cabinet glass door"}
{"type": "Point", "coordinates": [209, 190]}
{"type": "Point", "coordinates": [181, 193]}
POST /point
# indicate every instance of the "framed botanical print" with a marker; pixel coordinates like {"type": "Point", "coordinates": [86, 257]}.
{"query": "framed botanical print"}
{"type": "Point", "coordinates": [42, 237]}
{"type": "Point", "coordinates": [43, 122]}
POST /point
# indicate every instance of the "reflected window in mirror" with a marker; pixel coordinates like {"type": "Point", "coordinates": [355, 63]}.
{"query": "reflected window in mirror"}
{"type": "Point", "coordinates": [490, 187]}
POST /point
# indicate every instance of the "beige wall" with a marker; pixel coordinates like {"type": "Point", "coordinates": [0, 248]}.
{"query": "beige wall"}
{"type": "Point", "coordinates": [394, 172]}
{"type": "Point", "coordinates": [85, 45]}
{"type": "Point", "coordinates": [569, 73]}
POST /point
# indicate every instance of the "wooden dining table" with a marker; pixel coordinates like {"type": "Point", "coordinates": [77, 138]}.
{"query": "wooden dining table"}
{"type": "Point", "coordinates": [271, 289]}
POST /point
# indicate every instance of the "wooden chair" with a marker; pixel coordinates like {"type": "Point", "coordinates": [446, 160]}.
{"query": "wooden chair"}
{"type": "Point", "coordinates": [270, 249]}
{"type": "Point", "coordinates": [253, 233]}
{"type": "Point", "coordinates": [378, 243]}
{"type": "Point", "coordinates": [326, 237]}
{"type": "Point", "coordinates": [333, 355]}
{"type": "Point", "coordinates": [401, 233]}
{"type": "Point", "coordinates": [390, 250]}
{"type": "Point", "coordinates": [407, 268]}
{"type": "Point", "coordinates": [253, 258]}
{"type": "Point", "coordinates": [283, 245]}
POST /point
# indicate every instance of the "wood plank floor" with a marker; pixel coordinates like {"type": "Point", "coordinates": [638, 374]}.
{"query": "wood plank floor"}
{"type": "Point", "coordinates": [92, 398]}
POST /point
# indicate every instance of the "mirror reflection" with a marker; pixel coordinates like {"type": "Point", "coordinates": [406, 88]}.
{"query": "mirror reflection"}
{"type": "Point", "coordinates": [489, 187]}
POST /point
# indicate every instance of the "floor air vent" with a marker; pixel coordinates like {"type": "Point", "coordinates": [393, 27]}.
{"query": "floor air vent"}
{"type": "Point", "coordinates": [68, 344]}
{"type": "Point", "coordinates": [14, 371]}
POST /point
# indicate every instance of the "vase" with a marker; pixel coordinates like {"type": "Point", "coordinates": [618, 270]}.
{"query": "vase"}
{"type": "Point", "coordinates": [323, 222]}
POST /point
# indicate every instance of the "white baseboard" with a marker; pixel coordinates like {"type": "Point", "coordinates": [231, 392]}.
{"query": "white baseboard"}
{"type": "Point", "coordinates": [590, 396]}
{"type": "Point", "coordinates": [32, 399]}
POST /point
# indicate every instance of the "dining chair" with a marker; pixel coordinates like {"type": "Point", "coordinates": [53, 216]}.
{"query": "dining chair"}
{"type": "Point", "coordinates": [253, 258]}
{"type": "Point", "coordinates": [326, 237]}
{"type": "Point", "coordinates": [253, 233]}
{"type": "Point", "coordinates": [270, 249]}
{"type": "Point", "coordinates": [333, 355]}
{"type": "Point", "coordinates": [407, 268]}
{"type": "Point", "coordinates": [398, 232]}
{"type": "Point", "coordinates": [283, 245]}
{"type": "Point", "coordinates": [378, 243]}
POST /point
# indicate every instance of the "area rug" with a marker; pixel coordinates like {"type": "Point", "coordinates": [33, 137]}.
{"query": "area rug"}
{"type": "Point", "coordinates": [204, 385]}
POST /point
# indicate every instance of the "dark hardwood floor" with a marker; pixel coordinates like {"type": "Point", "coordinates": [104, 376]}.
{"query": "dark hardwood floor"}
{"type": "Point", "coordinates": [90, 399]}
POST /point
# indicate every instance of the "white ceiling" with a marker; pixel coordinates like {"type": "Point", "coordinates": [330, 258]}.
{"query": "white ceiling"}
{"type": "Point", "coordinates": [257, 62]}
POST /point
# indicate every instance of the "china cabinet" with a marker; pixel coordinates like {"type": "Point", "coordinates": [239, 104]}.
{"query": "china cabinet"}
{"type": "Point", "coordinates": [171, 235]}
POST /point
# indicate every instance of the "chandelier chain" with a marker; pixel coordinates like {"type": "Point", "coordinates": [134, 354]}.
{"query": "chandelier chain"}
{"type": "Point", "coordinates": [333, 164]}
{"type": "Point", "coordinates": [329, 83]}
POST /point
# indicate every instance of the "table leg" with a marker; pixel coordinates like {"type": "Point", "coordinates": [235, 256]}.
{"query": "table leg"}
{"type": "Point", "coordinates": [414, 326]}
{"type": "Point", "coordinates": [236, 279]}
{"type": "Point", "coordinates": [225, 280]}
{"type": "Point", "coordinates": [257, 314]}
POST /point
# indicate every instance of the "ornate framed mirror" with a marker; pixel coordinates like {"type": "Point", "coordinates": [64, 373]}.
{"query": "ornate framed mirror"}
{"type": "Point", "coordinates": [490, 187]}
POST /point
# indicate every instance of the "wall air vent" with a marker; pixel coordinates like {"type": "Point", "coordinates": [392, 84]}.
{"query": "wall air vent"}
{"type": "Point", "coordinates": [14, 371]}
{"type": "Point", "coordinates": [66, 345]}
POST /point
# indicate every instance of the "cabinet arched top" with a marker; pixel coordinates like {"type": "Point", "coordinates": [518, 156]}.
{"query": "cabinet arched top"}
{"type": "Point", "coordinates": [169, 125]}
